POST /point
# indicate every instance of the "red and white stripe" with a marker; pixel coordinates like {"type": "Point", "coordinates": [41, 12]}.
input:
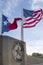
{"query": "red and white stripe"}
{"type": "Point", "coordinates": [32, 21]}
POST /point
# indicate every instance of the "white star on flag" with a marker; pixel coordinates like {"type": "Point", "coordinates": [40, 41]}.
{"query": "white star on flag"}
{"type": "Point", "coordinates": [5, 23]}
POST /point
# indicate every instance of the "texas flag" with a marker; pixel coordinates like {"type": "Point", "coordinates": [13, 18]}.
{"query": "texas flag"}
{"type": "Point", "coordinates": [6, 26]}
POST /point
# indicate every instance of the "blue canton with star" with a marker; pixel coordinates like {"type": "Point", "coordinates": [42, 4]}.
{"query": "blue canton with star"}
{"type": "Point", "coordinates": [5, 24]}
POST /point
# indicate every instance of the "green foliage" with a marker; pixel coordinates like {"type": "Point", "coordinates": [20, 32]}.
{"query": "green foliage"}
{"type": "Point", "coordinates": [37, 55]}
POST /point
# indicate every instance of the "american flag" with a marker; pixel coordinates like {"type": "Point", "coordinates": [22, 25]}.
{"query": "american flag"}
{"type": "Point", "coordinates": [31, 17]}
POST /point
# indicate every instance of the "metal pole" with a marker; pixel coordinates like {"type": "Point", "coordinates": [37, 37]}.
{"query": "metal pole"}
{"type": "Point", "coordinates": [22, 31]}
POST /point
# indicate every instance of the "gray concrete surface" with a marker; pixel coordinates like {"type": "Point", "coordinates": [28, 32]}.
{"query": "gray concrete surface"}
{"type": "Point", "coordinates": [36, 64]}
{"type": "Point", "coordinates": [7, 45]}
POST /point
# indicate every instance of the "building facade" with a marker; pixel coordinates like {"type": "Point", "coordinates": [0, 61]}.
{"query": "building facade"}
{"type": "Point", "coordinates": [12, 51]}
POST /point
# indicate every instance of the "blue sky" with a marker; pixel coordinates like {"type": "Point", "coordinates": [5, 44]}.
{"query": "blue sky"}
{"type": "Point", "coordinates": [33, 36]}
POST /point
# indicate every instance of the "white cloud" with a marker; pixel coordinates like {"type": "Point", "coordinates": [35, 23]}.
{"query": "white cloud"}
{"type": "Point", "coordinates": [7, 9]}
{"type": "Point", "coordinates": [37, 4]}
{"type": "Point", "coordinates": [36, 1]}
{"type": "Point", "coordinates": [35, 7]}
{"type": "Point", "coordinates": [34, 46]}
{"type": "Point", "coordinates": [16, 2]}
{"type": "Point", "coordinates": [1, 2]}
{"type": "Point", "coordinates": [10, 6]}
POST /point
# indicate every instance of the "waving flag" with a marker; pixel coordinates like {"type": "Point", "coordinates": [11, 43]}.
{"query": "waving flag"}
{"type": "Point", "coordinates": [6, 26]}
{"type": "Point", "coordinates": [31, 18]}
{"type": "Point", "coordinates": [14, 24]}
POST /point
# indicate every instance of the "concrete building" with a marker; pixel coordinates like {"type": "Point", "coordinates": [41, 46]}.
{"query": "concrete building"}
{"type": "Point", "coordinates": [12, 51]}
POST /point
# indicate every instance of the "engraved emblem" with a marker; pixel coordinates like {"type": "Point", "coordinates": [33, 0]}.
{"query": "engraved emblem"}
{"type": "Point", "coordinates": [17, 52]}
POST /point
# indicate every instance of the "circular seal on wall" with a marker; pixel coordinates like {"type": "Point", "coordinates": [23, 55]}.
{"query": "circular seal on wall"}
{"type": "Point", "coordinates": [17, 52]}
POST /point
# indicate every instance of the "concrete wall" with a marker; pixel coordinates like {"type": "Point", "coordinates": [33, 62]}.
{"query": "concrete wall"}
{"type": "Point", "coordinates": [0, 50]}
{"type": "Point", "coordinates": [6, 45]}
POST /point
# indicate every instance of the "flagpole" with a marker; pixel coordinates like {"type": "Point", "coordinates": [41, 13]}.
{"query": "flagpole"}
{"type": "Point", "coordinates": [22, 31]}
{"type": "Point", "coordinates": [22, 35]}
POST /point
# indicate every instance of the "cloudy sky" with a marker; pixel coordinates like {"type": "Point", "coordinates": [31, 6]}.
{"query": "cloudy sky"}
{"type": "Point", "coordinates": [34, 36]}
